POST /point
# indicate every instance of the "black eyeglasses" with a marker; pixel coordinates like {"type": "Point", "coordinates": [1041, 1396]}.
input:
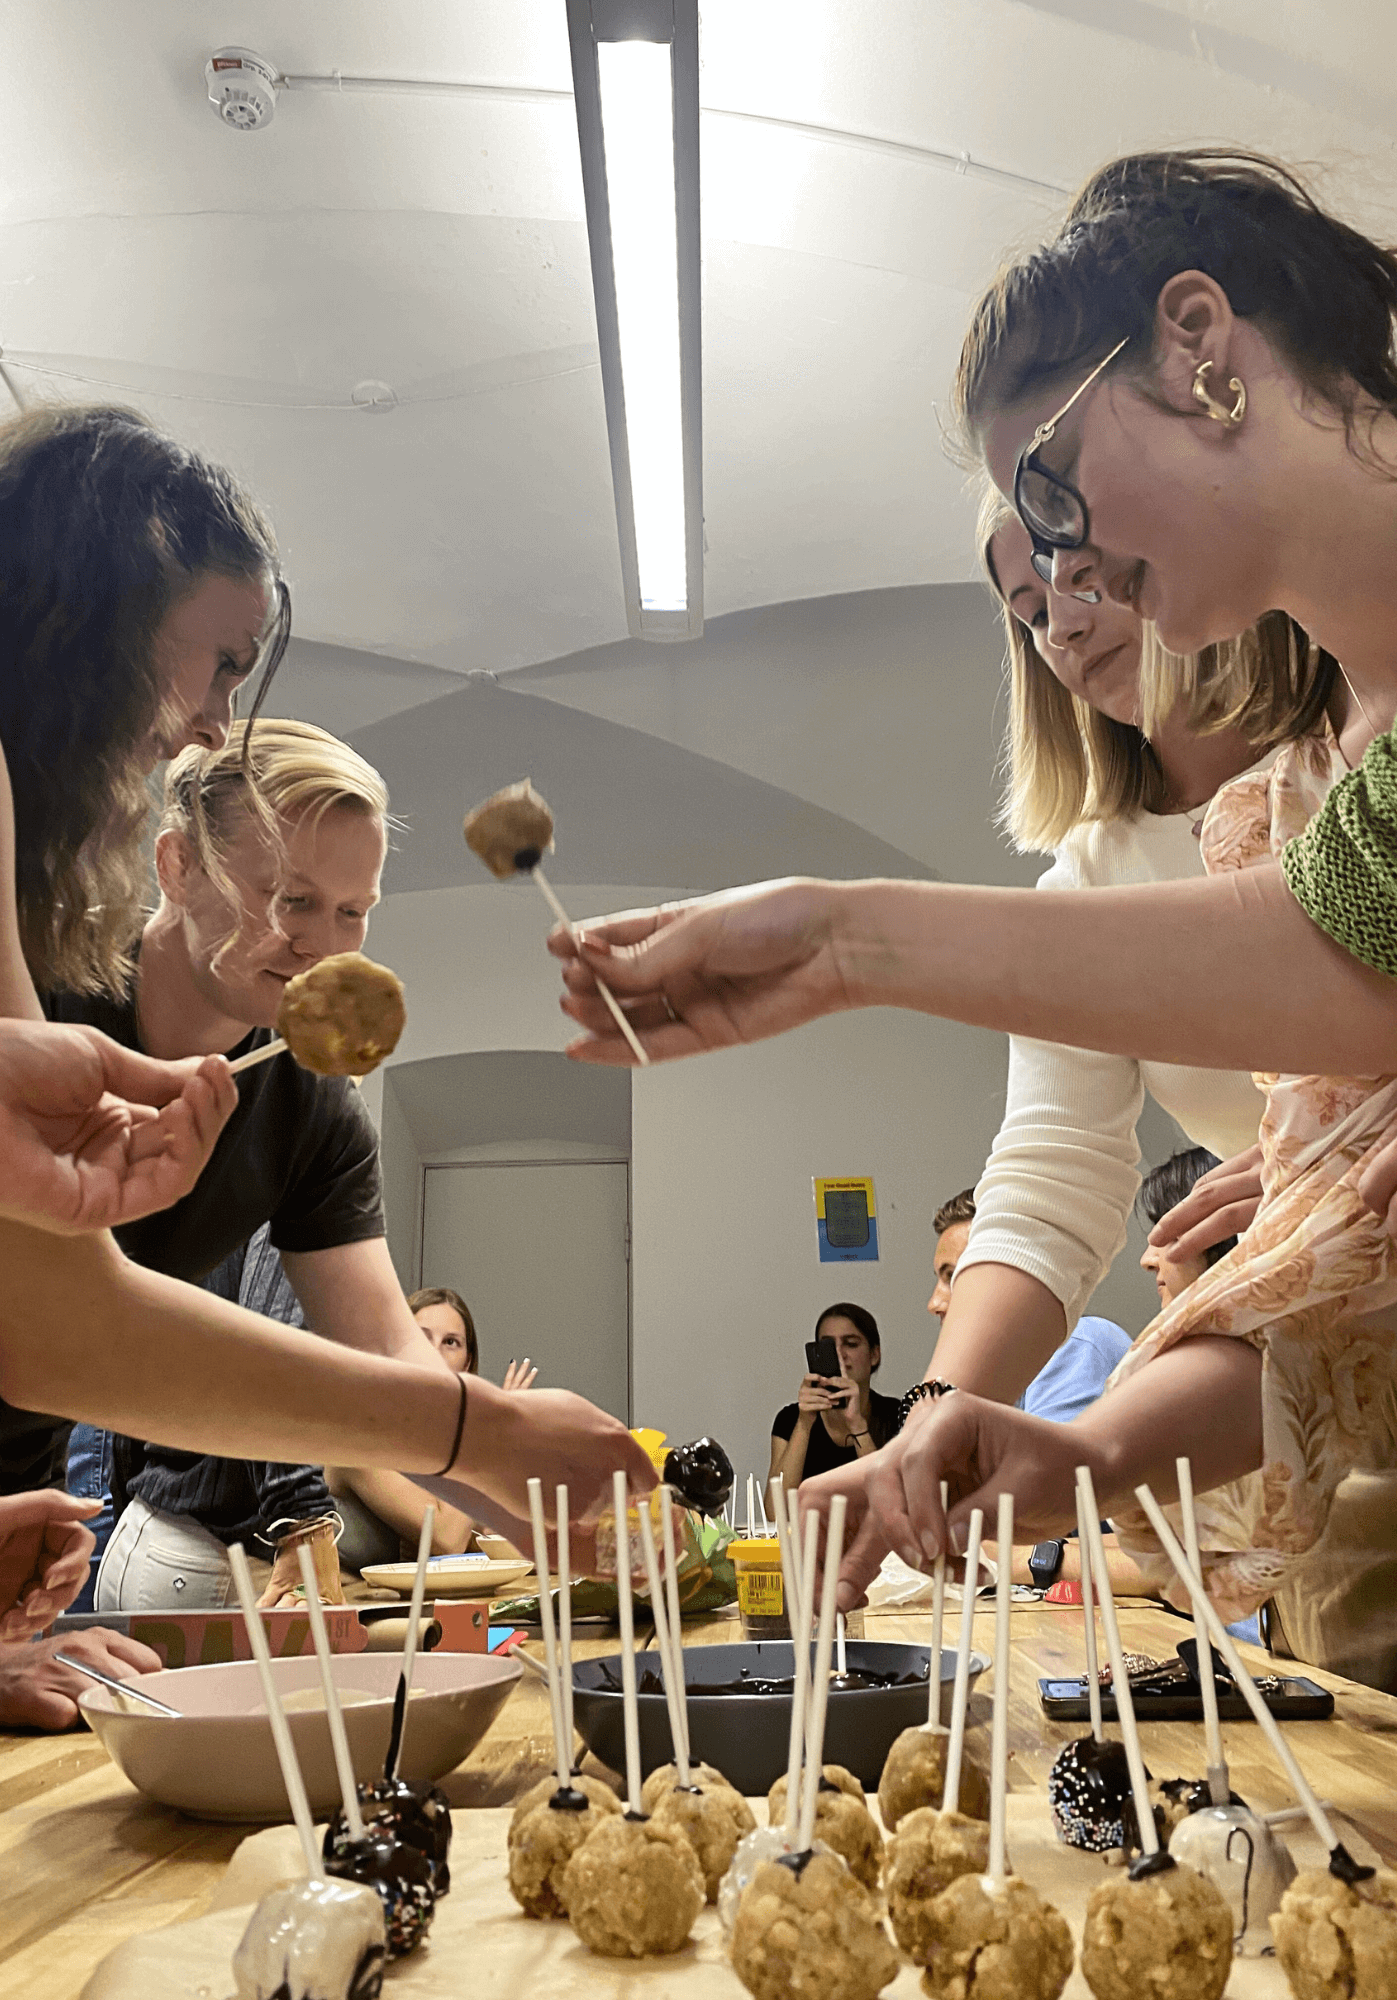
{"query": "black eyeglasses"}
{"type": "Point", "coordinates": [1053, 512]}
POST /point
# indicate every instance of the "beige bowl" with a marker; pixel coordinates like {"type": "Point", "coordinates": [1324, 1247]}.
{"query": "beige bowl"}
{"type": "Point", "coordinates": [501, 1551]}
{"type": "Point", "coordinates": [217, 1760]}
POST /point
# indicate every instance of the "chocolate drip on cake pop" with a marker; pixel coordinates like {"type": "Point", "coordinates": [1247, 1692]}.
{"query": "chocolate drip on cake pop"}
{"type": "Point", "coordinates": [701, 1474]}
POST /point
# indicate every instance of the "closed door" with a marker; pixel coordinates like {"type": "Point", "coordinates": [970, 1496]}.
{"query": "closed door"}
{"type": "Point", "coordinates": [540, 1253]}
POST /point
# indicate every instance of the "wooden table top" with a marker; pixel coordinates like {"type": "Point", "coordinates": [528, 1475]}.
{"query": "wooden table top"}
{"type": "Point", "coordinates": [85, 1861]}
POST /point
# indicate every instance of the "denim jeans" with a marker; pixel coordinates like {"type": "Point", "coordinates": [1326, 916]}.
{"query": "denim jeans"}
{"type": "Point", "coordinates": [90, 1477]}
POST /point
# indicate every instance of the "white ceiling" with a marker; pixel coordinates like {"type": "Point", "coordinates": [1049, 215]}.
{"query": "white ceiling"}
{"type": "Point", "coordinates": [240, 286]}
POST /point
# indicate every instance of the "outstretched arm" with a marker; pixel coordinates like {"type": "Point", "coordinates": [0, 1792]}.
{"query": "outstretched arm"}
{"type": "Point", "coordinates": [1226, 972]}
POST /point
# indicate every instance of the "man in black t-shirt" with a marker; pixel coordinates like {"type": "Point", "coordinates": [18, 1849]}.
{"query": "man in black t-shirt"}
{"type": "Point", "coordinates": [835, 1419]}
{"type": "Point", "coordinates": [235, 921]}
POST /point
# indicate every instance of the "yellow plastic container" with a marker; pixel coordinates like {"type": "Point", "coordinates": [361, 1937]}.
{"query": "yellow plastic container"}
{"type": "Point", "coordinates": [760, 1595]}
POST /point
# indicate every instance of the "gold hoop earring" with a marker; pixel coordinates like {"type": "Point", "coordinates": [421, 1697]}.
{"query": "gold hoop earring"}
{"type": "Point", "coordinates": [1219, 412]}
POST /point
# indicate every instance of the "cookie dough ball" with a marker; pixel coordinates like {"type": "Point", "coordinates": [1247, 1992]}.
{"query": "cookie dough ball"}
{"type": "Point", "coordinates": [1338, 1940]}
{"type": "Point", "coordinates": [1168, 1935]}
{"type": "Point", "coordinates": [842, 1821]}
{"type": "Point", "coordinates": [666, 1777]}
{"type": "Point", "coordinates": [633, 1888]}
{"type": "Point", "coordinates": [713, 1821]}
{"type": "Point", "coordinates": [996, 1941]}
{"type": "Point", "coordinates": [914, 1775]}
{"type": "Point", "coordinates": [595, 1790]}
{"type": "Point", "coordinates": [926, 1854]}
{"type": "Point", "coordinates": [542, 1842]}
{"type": "Point", "coordinates": [344, 1016]}
{"type": "Point", "coordinates": [810, 1932]}
{"type": "Point", "coordinates": [513, 830]}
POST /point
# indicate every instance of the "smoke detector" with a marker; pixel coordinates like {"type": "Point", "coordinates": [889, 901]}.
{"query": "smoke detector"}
{"type": "Point", "coordinates": [242, 88]}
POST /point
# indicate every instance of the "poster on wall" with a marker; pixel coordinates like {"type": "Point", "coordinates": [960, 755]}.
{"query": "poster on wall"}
{"type": "Point", "coordinates": [846, 1220]}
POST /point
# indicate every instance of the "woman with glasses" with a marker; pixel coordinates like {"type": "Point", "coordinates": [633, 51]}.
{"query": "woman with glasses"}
{"type": "Point", "coordinates": [1192, 395]}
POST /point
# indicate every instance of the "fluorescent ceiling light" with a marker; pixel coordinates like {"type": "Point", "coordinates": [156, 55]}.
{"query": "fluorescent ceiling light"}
{"type": "Point", "coordinates": [635, 74]}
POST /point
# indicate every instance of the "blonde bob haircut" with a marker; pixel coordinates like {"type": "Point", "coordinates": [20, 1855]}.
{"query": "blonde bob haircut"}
{"type": "Point", "coordinates": [1065, 763]}
{"type": "Point", "coordinates": [278, 770]}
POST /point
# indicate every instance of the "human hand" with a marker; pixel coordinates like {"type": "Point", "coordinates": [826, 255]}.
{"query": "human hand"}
{"type": "Point", "coordinates": [706, 974]}
{"type": "Point", "coordinates": [1378, 1182]}
{"type": "Point", "coordinates": [843, 1395]}
{"type": "Point", "coordinates": [980, 1449]}
{"type": "Point", "coordinates": [92, 1134]}
{"type": "Point", "coordinates": [37, 1693]}
{"type": "Point", "coordinates": [520, 1375]}
{"type": "Point", "coordinates": [285, 1591]}
{"type": "Point", "coordinates": [44, 1551]}
{"type": "Point", "coordinates": [1220, 1204]}
{"type": "Point", "coordinates": [814, 1395]}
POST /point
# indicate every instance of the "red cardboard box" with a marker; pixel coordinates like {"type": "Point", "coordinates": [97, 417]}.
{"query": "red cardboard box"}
{"type": "Point", "coordinates": [209, 1638]}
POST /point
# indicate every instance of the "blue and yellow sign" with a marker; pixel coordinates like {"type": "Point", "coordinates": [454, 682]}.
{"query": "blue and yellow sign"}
{"type": "Point", "coordinates": [846, 1220]}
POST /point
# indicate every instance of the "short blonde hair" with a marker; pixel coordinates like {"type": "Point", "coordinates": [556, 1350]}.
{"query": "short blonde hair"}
{"type": "Point", "coordinates": [1066, 763]}
{"type": "Point", "coordinates": [276, 769]}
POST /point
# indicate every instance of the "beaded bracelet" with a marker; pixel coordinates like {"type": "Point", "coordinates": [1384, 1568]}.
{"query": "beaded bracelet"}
{"type": "Point", "coordinates": [919, 1392]}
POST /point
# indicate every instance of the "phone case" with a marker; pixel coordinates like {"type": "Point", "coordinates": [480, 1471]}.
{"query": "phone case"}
{"type": "Point", "coordinates": [1299, 1700]}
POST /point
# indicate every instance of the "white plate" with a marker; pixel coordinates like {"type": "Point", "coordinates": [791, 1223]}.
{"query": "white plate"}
{"type": "Point", "coordinates": [448, 1576]}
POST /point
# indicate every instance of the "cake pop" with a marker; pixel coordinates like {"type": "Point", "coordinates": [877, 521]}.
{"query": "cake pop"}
{"type": "Point", "coordinates": [1160, 1928]}
{"type": "Point", "coordinates": [992, 1936]}
{"type": "Point", "coordinates": [666, 1776]}
{"type": "Point", "coordinates": [926, 1854]}
{"type": "Point", "coordinates": [1337, 1940]}
{"type": "Point", "coordinates": [810, 1929]}
{"type": "Point", "coordinates": [342, 1017]}
{"type": "Point", "coordinates": [313, 1940]}
{"type": "Point", "coordinates": [511, 832]}
{"type": "Point", "coordinates": [842, 1821]}
{"type": "Point", "coordinates": [914, 1776]}
{"type": "Point", "coordinates": [714, 1818]}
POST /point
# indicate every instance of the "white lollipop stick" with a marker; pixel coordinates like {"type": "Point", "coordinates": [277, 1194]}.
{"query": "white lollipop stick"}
{"type": "Point", "coordinates": [938, 1623]}
{"type": "Point", "coordinates": [751, 1508]}
{"type": "Point", "coordinates": [629, 1705]}
{"type": "Point", "coordinates": [797, 1574]}
{"type": "Point", "coordinates": [255, 1056]}
{"type": "Point", "coordinates": [819, 1696]}
{"type": "Point", "coordinates": [999, 1735]}
{"type": "Point", "coordinates": [339, 1740]}
{"type": "Point", "coordinates": [562, 1748]}
{"type": "Point", "coordinates": [676, 1622]}
{"type": "Point", "coordinates": [1120, 1679]}
{"type": "Point", "coordinates": [276, 1714]}
{"type": "Point", "coordinates": [1222, 1639]}
{"type": "Point", "coordinates": [414, 1622]}
{"type": "Point", "coordinates": [674, 1693]}
{"type": "Point", "coordinates": [560, 1499]}
{"type": "Point", "coordinates": [1219, 1783]}
{"type": "Point", "coordinates": [605, 991]}
{"type": "Point", "coordinates": [776, 1496]}
{"type": "Point", "coordinates": [1098, 1729]}
{"type": "Point", "coordinates": [800, 1632]}
{"type": "Point", "coordinates": [955, 1749]}
{"type": "Point", "coordinates": [841, 1656]}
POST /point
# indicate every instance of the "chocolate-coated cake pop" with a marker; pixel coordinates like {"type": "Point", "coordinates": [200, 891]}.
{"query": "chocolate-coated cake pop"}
{"type": "Point", "coordinates": [417, 1814]}
{"type": "Point", "coordinates": [401, 1876]}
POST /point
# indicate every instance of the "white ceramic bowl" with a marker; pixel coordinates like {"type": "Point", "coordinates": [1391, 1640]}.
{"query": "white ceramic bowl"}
{"type": "Point", "coordinates": [448, 1576]}
{"type": "Point", "coordinates": [500, 1550]}
{"type": "Point", "coordinates": [217, 1760]}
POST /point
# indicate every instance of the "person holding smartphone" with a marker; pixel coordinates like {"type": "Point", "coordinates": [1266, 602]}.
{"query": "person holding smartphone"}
{"type": "Point", "coordinates": [838, 1415]}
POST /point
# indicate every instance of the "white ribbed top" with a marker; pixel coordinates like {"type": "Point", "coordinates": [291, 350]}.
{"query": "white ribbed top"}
{"type": "Point", "coordinates": [1063, 1171]}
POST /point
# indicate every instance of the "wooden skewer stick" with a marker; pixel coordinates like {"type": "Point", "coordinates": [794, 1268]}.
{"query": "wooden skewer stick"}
{"type": "Point", "coordinates": [676, 1622]}
{"type": "Point", "coordinates": [339, 1739]}
{"type": "Point", "coordinates": [630, 1708]}
{"type": "Point", "coordinates": [1219, 1783]}
{"type": "Point", "coordinates": [1120, 1679]}
{"type": "Point", "coordinates": [674, 1691]}
{"type": "Point", "coordinates": [955, 1749]}
{"type": "Point", "coordinates": [1089, 1623]}
{"type": "Point", "coordinates": [938, 1622]}
{"type": "Point", "coordinates": [819, 1699]}
{"type": "Point", "coordinates": [605, 991]}
{"type": "Point", "coordinates": [999, 1734]}
{"type": "Point", "coordinates": [414, 1625]}
{"type": "Point", "coordinates": [801, 1630]}
{"type": "Point", "coordinates": [276, 1714]}
{"type": "Point", "coordinates": [255, 1056]}
{"type": "Point", "coordinates": [562, 1748]}
{"type": "Point", "coordinates": [1222, 1639]}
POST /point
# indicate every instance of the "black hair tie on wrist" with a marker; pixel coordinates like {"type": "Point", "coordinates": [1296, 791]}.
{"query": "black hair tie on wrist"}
{"type": "Point", "coordinates": [460, 1430]}
{"type": "Point", "coordinates": [917, 1393]}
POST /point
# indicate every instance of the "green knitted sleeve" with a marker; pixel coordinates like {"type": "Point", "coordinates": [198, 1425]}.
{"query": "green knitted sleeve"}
{"type": "Point", "coordinates": [1342, 870]}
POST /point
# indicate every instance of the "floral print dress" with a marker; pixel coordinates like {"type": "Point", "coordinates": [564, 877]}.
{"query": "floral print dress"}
{"type": "Point", "coordinates": [1312, 1284]}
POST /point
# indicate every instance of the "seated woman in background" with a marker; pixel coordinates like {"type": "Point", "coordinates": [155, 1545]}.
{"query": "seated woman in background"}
{"type": "Point", "coordinates": [835, 1419]}
{"type": "Point", "coordinates": [1161, 1192]}
{"type": "Point", "coordinates": [382, 1511]}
